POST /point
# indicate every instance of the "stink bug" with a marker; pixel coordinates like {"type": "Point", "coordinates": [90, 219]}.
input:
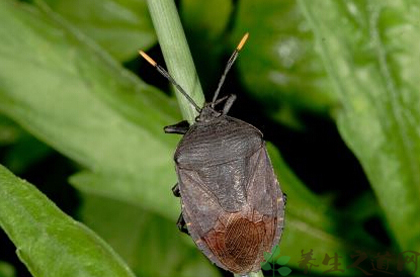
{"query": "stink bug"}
{"type": "Point", "coordinates": [232, 205]}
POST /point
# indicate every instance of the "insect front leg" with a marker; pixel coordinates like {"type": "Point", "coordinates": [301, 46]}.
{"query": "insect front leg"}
{"type": "Point", "coordinates": [175, 190]}
{"type": "Point", "coordinates": [182, 226]}
{"type": "Point", "coordinates": [229, 103]}
{"type": "Point", "coordinates": [179, 128]}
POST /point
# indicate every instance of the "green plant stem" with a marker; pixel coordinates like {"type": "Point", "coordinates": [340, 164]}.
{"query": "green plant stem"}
{"type": "Point", "coordinates": [177, 55]}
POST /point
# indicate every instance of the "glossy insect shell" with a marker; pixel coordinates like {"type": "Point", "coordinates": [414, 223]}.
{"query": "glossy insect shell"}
{"type": "Point", "coordinates": [231, 200]}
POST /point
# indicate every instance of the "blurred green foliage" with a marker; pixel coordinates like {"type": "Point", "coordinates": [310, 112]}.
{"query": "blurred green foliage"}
{"type": "Point", "coordinates": [63, 88]}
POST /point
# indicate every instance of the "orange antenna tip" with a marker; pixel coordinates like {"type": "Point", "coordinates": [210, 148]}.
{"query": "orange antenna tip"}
{"type": "Point", "coordinates": [243, 40]}
{"type": "Point", "coordinates": [147, 58]}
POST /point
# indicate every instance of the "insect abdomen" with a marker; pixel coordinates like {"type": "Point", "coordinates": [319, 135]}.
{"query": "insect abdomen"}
{"type": "Point", "coordinates": [239, 242]}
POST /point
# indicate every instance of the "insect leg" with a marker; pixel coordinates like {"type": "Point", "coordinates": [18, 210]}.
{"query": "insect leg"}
{"type": "Point", "coordinates": [229, 103]}
{"type": "Point", "coordinates": [179, 128]}
{"type": "Point", "coordinates": [182, 226]}
{"type": "Point", "coordinates": [175, 190]}
{"type": "Point", "coordinates": [284, 199]}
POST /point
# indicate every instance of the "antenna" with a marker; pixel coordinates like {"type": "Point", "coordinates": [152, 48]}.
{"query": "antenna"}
{"type": "Point", "coordinates": [169, 77]}
{"type": "Point", "coordinates": [228, 66]}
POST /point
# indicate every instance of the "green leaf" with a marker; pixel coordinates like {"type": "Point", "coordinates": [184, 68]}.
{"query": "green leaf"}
{"type": "Point", "coordinates": [209, 17]}
{"type": "Point", "coordinates": [267, 257]}
{"type": "Point", "coordinates": [42, 233]}
{"type": "Point", "coordinates": [25, 152]}
{"type": "Point", "coordinates": [284, 271]}
{"type": "Point", "coordinates": [6, 270]}
{"type": "Point", "coordinates": [279, 64]}
{"type": "Point", "coordinates": [119, 26]}
{"type": "Point", "coordinates": [21, 149]}
{"type": "Point", "coordinates": [312, 224]}
{"type": "Point", "coordinates": [275, 251]}
{"type": "Point", "coordinates": [266, 266]}
{"type": "Point", "coordinates": [365, 207]}
{"type": "Point", "coordinates": [9, 131]}
{"type": "Point", "coordinates": [123, 188]}
{"type": "Point", "coordinates": [283, 260]}
{"type": "Point", "coordinates": [369, 51]}
{"type": "Point", "coordinates": [270, 257]}
{"type": "Point", "coordinates": [74, 97]}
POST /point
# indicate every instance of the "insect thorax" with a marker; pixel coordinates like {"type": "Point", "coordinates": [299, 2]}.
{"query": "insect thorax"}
{"type": "Point", "coordinates": [218, 141]}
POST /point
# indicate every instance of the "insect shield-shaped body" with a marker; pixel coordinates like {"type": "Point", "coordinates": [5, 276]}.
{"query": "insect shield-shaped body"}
{"type": "Point", "coordinates": [232, 205]}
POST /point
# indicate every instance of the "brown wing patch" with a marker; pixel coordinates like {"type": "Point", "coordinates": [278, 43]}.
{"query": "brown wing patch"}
{"type": "Point", "coordinates": [239, 243]}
